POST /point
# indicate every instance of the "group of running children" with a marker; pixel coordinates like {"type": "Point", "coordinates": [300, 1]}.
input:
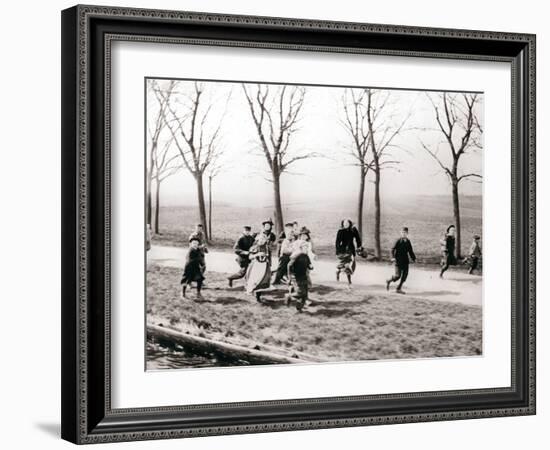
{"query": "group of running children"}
{"type": "Point", "coordinates": [294, 249]}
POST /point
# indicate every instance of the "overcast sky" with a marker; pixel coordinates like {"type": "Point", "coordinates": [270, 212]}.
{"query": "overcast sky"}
{"type": "Point", "coordinates": [331, 177]}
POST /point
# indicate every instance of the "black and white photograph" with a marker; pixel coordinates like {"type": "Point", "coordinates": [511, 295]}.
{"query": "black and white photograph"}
{"type": "Point", "coordinates": [300, 224]}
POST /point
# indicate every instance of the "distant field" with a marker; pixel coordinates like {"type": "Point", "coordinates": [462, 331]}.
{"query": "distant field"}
{"type": "Point", "coordinates": [427, 218]}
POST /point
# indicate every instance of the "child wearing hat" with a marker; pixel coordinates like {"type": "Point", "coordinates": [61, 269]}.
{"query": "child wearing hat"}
{"type": "Point", "coordinates": [242, 250]}
{"type": "Point", "coordinates": [267, 234]}
{"type": "Point", "coordinates": [474, 254]}
{"type": "Point", "coordinates": [400, 252]}
{"type": "Point", "coordinates": [199, 235]}
{"type": "Point", "coordinates": [194, 267]}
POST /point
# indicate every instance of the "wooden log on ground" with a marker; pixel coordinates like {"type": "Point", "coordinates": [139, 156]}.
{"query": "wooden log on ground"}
{"type": "Point", "coordinates": [224, 350]}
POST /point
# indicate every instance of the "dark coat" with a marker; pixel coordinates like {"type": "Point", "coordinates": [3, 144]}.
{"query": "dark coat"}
{"type": "Point", "coordinates": [243, 244]}
{"type": "Point", "coordinates": [401, 251]}
{"type": "Point", "coordinates": [194, 266]}
{"type": "Point", "coordinates": [449, 257]}
{"type": "Point", "coordinates": [345, 240]}
{"type": "Point", "coordinates": [299, 266]}
{"type": "Point", "coordinates": [450, 244]}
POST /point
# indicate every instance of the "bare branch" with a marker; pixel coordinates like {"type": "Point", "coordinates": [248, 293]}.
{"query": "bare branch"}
{"type": "Point", "coordinates": [469, 175]}
{"type": "Point", "coordinates": [436, 158]}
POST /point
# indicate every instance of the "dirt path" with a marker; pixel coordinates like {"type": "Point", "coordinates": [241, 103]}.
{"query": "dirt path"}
{"type": "Point", "coordinates": [458, 287]}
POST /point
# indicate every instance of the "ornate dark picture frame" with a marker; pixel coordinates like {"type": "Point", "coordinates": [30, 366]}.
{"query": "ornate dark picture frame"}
{"type": "Point", "coordinates": [87, 34]}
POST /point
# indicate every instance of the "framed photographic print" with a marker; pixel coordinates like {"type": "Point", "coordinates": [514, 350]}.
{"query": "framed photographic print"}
{"type": "Point", "coordinates": [280, 224]}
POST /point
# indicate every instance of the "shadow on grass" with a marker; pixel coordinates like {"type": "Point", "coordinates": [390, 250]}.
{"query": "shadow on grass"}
{"type": "Point", "coordinates": [433, 293]}
{"type": "Point", "coordinates": [323, 289]}
{"type": "Point", "coordinates": [228, 300]}
{"type": "Point", "coordinates": [476, 280]}
{"type": "Point", "coordinates": [331, 313]}
{"type": "Point", "coordinates": [330, 303]}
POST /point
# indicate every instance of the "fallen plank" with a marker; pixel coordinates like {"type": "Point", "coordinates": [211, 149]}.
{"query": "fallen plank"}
{"type": "Point", "coordinates": [225, 350]}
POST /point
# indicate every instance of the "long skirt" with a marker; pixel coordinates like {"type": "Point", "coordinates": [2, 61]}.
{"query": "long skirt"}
{"type": "Point", "coordinates": [193, 271]}
{"type": "Point", "coordinates": [258, 275]}
{"type": "Point", "coordinates": [346, 263]}
{"type": "Point", "coordinates": [448, 259]}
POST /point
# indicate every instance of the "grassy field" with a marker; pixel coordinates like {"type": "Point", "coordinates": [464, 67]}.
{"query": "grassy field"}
{"type": "Point", "coordinates": [340, 325]}
{"type": "Point", "coordinates": [426, 217]}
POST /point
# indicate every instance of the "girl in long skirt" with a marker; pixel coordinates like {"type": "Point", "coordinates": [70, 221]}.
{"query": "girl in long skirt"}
{"type": "Point", "coordinates": [348, 240]}
{"type": "Point", "coordinates": [258, 274]}
{"type": "Point", "coordinates": [448, 250]}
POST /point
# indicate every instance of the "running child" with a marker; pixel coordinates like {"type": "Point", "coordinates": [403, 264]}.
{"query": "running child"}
{"type": "Point", "coordinates": [448, 250]}
{"type": "Point", "coordinates": [298, 271]}
{"type": "Point", "coordinates": [194, 267]}
{"type": "Point", "coordinates": [400, 253]}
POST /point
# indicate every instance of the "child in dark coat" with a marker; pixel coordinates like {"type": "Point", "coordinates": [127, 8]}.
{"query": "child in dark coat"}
{"type": "Point", "coordinates": [194, 267]}
{"type": "Point", "coordinates": [298, 270]}
{"type": "Point", "coordinates": [242, 250]}
{"type": "Point", "coordinates": [400, 253]}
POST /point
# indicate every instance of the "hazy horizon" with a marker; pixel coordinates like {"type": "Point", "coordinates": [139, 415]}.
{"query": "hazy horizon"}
{"type": "Point", "coordinates": [192, 202]}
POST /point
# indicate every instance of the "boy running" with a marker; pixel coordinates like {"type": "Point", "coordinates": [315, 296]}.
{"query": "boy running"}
{"type": "Point", "coordinates": [400, 253]}
{"type": "Point", "coordinates": [242, 250]}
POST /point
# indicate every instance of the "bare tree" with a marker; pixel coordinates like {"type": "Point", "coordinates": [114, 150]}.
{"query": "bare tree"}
{"type": "Point", "coordinates": [355, 123]}
{"type": "Point", "coordinates": [383, 129]}
{"type": "Point", "coordinates": [457, 119]}
{"type": "Point", "coordinates": [195, 121]}
{"type": "Point", "coordinates": [371, 123]}
{"type": "Point", "coordinates": [165, 164]}
{"type": "Point", "coordinates": [275, 111]}
{"type": "Point", "coordinates": [155, 127]}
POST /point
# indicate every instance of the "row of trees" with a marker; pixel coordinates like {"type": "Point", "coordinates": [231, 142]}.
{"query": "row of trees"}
{"type": "Point", "coordinates": [190, 118]}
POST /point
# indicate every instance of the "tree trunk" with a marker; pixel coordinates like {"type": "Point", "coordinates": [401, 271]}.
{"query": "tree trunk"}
{"type": "Point", "coordinates": [202, 205]}
{"type": "Point", "coordinates": [456, 213]}
{"type": "Point", "coordinates": [360, 203]}
{"type": "Point", "coordinates": [377, 246]}
{"type": "Point", "coordinates": [149, 205]}
{"type": "Point", "coordinates": [224, 350]}
{"type": "Point", "coordinates": [149, 200]}
{"type": "Point", "coordinates": [210, 234]}
{"type": "Point", "coordinates": [157, 207]}
{"type": "Point", "coordinates": [279, 225]}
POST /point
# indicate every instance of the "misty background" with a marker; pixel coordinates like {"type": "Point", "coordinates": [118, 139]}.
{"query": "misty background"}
{"type": "Point", "coordinates": [330, 178]}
